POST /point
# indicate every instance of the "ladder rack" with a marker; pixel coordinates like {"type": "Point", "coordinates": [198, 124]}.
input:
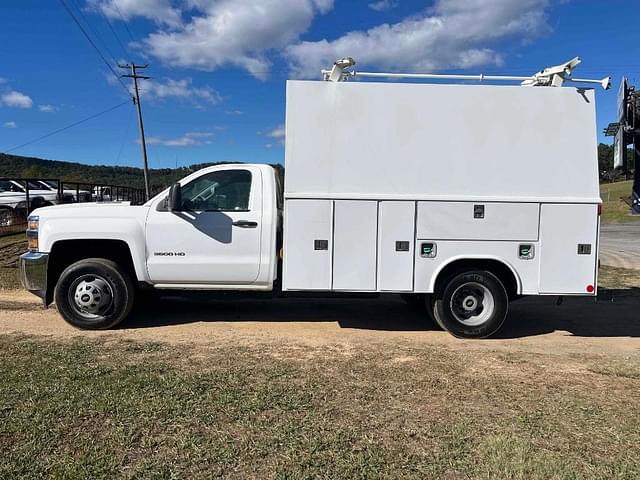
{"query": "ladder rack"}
{"type": "Point", "coordinates": [549, 77]}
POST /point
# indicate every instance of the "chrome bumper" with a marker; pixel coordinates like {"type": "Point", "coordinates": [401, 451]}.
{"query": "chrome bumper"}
{"type": "Point", "coordinates": [33, 272]}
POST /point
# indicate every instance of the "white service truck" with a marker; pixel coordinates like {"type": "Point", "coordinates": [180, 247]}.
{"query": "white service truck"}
{"type": "Point", "coordinates": [462, 196]}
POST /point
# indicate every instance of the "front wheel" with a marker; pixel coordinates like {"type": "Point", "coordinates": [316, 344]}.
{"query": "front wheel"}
{"type": "Point", "coordinates": [471, 305]}
{"type": "Point", "coordinates": [7, 218]}
{"type": "Point", "coordinates": [94, 294]}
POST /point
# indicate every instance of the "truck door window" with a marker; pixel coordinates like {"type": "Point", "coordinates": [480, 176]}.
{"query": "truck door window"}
{"type": "Point", "coordinates": [223, 190]}
{"type": "Point", "coordinates": [8, 186]}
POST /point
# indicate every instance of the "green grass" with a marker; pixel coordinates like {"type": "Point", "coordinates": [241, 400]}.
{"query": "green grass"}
{"type": "Point", "coordinates": [618, 278]}
{"type": "Point", "coordinates": [614, 210]}
{"type": "Point", "coordinates": [14, 237]}
{"type": "Point", "coordinates": [101, 409]}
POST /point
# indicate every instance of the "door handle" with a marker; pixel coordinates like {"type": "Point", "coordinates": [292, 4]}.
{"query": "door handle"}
{"type": "Point", "coordinates": [245, 224]}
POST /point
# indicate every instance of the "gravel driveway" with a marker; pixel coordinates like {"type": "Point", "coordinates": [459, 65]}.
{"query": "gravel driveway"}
{"type": "Point", "coordinates": [620, 245]}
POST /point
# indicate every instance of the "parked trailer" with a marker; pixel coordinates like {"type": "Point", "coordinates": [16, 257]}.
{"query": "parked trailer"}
{"type": "Point", "coordinates": [463, 196]}
{"type": "Point", "coordinates": [19, 196]}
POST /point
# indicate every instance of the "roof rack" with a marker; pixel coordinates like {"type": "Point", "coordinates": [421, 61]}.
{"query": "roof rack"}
{"type": "Point", "coordinates": [549, 77]}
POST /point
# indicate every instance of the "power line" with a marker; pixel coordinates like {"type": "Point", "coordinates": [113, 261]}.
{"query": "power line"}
{"type": "Point", "coordinates": [115, 4]}
{"type": "Point", "coordinates": [84, 32]}
{"type": "Point", "coordinates": [96, 33]}
{"type": "Point", "coordinates": [42, 137]}
{"type": "Point", "coordinates": [124, 50]}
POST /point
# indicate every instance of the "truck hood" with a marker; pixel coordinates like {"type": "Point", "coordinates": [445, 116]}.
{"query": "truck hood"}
{"type": "Point", "coordinates": [77, 211]}
{"type": "Point", "coordinates": [82, 221]}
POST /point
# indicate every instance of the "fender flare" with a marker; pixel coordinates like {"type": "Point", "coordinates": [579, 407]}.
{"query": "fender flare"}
{"type": "Point", "coordinates": [494, 258]}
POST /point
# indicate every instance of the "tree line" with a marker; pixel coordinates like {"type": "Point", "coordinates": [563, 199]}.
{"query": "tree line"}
{"type": "Point", "coordinates": [15, 166]}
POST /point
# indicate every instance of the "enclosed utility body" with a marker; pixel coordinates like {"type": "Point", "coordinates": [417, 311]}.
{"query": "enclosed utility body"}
{"type": "Point", "coordinates": [462, 197]}
{"type": "Point", "coordinates": [388, 184]}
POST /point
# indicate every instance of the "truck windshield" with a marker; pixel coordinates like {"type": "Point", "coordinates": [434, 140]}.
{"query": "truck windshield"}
{"type": "Point", "coordinates": [35, 186]}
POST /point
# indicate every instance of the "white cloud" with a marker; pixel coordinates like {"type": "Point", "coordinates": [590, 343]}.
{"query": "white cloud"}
{"type": "Point", "coordinates": [47, 108]}
{"type": "Point", "coordinates": [160, 11]}
{"type": "Point", "coordinates": [16, 99]}
{"type": "Point", "coordinates": [277, 134]}
{"type": "Point", "coordinates": [10, 124]}
{"type": "Point", "coordinates": [382, 5]}
{"type": "Point", "coordinates": [234, 32]}
{"type": "Point", "coordinates": [182, 89]}
{"type": "Point", "coordinates": [234, 112]}
{"type": "Point", "coordinates": [452, 34]}
{"type": "Point", "coordinates": [186, 140]}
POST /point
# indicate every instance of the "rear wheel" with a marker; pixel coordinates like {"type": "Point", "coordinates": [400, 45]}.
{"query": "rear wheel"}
{"type": "Point", "coordinates": [471, 305]}
{"type": "Point", "coordinates": [94, 294]}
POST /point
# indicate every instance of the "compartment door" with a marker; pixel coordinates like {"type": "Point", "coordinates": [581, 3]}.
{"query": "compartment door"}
{"type": "Point", "coordinates": [396, 239]}
{"type": "Point", "coordinates": [566, 233]}
{"type": "Point", "coordinates": [355, 228]}
{"type": "Point", "coordinates": [307, 244]}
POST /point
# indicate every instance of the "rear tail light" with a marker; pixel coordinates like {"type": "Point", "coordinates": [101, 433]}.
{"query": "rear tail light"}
{"type": "Point", "coordinates": [599, 209]}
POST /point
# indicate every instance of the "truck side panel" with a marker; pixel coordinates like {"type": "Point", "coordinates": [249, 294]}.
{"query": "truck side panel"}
{"type": "Point", "coordinates": [478, 221]}
{"type": "Point", "coordinates": [308, 233]}
{"type": "Point", "coordinates": [568, 248]}
{"type": "Point", "coordinates": [355, 228]}
{"type": "Point", "coordinates": [396, 234]}
{"type": "Point", "coordinates": [525, 271]}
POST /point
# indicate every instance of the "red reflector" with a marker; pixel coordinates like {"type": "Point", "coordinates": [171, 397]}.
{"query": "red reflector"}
{"type": "Point", "coordinates": [599, 209]}
{"type": "Point", "coordinates": [590, 288]}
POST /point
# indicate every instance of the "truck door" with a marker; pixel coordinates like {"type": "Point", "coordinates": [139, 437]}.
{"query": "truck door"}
{"type": "Point", "coordinates": [216, 237]}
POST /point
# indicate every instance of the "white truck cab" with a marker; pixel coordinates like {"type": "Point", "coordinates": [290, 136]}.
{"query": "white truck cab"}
{"type": "Point", "coordinates": [461, 197]}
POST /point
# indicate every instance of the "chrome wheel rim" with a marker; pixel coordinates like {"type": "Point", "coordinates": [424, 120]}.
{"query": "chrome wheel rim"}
{"type": "Point", "coordinates": [91, 296]}
{"type": "Point", "coordinates": [472, 304]}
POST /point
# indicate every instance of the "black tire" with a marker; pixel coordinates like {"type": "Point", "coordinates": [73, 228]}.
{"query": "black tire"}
{"type": "Point", "coordinates": [471, 304]}
{"type": "Point", "coordinates": [94, 294]}
{"type": "Point", "coordinates": [39, 202]}
{"type": "Point", "coordinates": [429, 300]}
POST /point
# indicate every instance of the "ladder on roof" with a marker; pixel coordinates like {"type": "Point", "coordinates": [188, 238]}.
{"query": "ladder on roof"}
{"type": "Point", "coordinates": [549, 77]}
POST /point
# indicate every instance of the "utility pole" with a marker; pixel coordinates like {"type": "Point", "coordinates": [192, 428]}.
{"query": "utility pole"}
{"type": "Point", "coordinates": [136, 101]}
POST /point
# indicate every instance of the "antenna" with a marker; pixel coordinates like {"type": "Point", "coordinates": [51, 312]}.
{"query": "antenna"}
{"type": "Point", "coordinates": [549, 77]}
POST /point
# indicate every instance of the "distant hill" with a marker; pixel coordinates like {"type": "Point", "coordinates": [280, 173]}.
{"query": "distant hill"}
{"type": "Point", "coordinates": [30, 167]}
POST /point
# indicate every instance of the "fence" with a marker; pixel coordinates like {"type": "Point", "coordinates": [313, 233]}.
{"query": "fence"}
{"type": "Point", "coordinates": [20, 196]}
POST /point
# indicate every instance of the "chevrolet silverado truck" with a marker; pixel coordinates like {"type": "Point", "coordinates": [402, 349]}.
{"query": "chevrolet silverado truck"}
{"type": "Point", "coordinates": [461, 197]}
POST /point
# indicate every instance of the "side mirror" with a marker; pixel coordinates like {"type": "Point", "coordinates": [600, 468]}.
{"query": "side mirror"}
{"type": "Point", "coordinates": [174, 203]}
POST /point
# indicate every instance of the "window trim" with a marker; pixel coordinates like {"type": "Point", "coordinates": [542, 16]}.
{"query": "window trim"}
{"type": "Point", "coordinates": [251, 189]}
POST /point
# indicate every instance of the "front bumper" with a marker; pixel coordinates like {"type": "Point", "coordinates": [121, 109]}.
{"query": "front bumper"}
{"type": "Point", "coordinates": [33, 272]}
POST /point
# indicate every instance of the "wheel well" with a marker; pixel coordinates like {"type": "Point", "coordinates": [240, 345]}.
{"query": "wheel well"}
{"type": "Point", "coordinates": [65, 252]}
{"type": "Point", "coordinates": [498, 268]}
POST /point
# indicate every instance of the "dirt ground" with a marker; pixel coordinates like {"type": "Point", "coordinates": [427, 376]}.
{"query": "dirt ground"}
{"type": "Point", "coordinates": [323, 388]}
{"type": "Point", "coordinates": [609, 328]}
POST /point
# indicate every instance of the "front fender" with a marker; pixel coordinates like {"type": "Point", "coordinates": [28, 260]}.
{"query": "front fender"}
{"type": "Point", "coordinates": [128, 231]}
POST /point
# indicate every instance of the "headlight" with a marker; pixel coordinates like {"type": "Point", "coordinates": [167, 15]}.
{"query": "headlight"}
{"type": "Point", "coordinates": [33, 223]}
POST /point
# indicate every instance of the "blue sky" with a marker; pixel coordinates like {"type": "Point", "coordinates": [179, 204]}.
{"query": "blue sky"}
{"type": "Point", "coordinates": [219, 66]}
